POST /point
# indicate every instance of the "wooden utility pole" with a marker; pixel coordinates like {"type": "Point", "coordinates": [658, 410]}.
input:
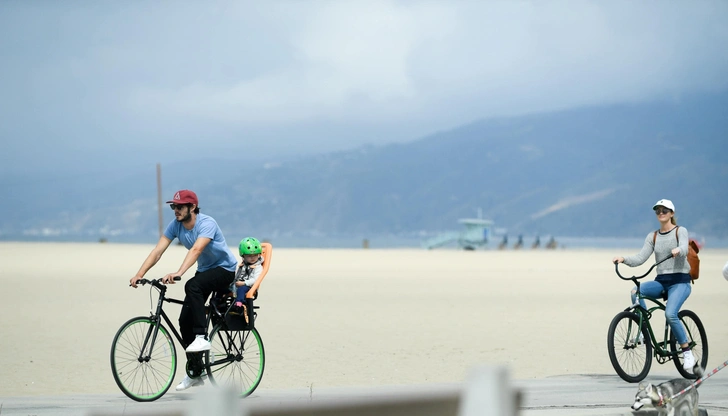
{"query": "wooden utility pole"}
{"type": "Point", "coordinates": [159, 197]}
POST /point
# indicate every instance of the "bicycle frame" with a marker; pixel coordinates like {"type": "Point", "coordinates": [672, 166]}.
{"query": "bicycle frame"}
{"type": "Point", "coordinates": [159, 312]}
{"type": "Point", "coordinates": [662, 352]}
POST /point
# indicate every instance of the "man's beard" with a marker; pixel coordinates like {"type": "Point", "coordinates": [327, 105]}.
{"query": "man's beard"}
{"type": "Point", "coordinates": [186, 217]}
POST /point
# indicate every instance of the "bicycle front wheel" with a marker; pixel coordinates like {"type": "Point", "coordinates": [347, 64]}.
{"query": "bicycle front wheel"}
{"type": "Point", "coordinates": [236, 359]}
{"type": "Point", "coordinates": [630, 349]}
{"type": "Point", "coordinates": [697, 338]}
{"type": "Point", "coordinates": [143, 359]}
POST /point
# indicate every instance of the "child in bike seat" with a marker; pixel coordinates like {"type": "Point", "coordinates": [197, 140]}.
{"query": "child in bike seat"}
{"type": "Point", "coordinates": [248, 272]}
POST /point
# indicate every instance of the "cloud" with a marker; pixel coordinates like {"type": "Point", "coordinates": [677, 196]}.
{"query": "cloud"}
{"type": "Point", "coordinates": [385, 60]}
{"type": "Point", "coordinates": [352, 61]}
{"type": "Point", "coordinates": [160, 75]}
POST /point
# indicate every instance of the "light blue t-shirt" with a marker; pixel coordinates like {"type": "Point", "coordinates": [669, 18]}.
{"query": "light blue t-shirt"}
{"type": "Point", "coordinates": [215, 254]}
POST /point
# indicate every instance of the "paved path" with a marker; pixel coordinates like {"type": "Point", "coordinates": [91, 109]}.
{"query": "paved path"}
{"type": "Point", "coordinates": [586, 395]}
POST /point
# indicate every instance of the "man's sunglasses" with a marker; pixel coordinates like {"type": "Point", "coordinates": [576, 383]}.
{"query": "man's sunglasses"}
{"type": "Point", "coordinates": [177, 206]}
{"type": "Point", "coordinates": [659, 211]}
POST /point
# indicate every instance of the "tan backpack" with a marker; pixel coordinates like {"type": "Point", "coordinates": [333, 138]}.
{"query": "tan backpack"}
{"type": "Point", "coordinates": [693, 251]}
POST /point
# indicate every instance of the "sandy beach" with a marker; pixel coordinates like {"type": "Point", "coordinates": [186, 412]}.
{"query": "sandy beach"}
{"type": "Point", "coordinates": [341, 317]}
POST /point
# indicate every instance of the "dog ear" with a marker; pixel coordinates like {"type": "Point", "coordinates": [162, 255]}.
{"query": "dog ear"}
{"type": "Point", "coordinates": [698, 370]}
{"type": "Point", "coordinates": [649, 388]}
{"type": "Point", "coordinates": [641, 386]}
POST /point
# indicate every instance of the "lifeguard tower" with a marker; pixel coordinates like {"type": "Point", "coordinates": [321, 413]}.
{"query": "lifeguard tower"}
{"type": "Point", "coordinates": [476, 233]}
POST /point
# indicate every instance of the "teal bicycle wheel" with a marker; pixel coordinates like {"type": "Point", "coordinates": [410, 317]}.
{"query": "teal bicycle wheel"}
{"type": "Point", "coordinates": [143, 374]}
{"type": "Point", "coordinates": [236, 359]}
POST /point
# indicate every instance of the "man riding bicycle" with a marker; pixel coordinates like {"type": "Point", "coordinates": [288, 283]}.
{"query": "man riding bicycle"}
{"type": "Point", "coordinates": [216, 265]}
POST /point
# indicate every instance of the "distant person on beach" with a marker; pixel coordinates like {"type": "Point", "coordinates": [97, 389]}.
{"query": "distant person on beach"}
{"type": "Point", "coordinates": [504, 243]}
{"type": "Point", "coordinates": [673, 276]}
{"type": "Point", "coordinates": [725, 271]}
{"type": "Point", "coordinates": [552, 243]}
{"type": "Point", "coordinates": [248, 272]}
{"type": "Point", "coordinates": [216, 264]}
{"type": "Point", "coordinates": [519, 243]}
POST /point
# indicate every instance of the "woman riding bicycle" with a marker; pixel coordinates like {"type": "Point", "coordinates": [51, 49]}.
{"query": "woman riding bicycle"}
{"type": "Point", "coordinates": [673, 275]}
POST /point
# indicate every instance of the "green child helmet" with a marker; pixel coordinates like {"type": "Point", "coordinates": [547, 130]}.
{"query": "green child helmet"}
{"type": "Point", "coordinates": [250, 245]}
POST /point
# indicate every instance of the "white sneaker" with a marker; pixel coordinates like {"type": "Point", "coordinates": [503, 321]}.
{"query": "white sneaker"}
{"type": "Point", "coordinates": [199, 344]}
{"type": "Point", "coordinates": [688, 361]}
{"type": "Point", "coordinates": [188, 382]}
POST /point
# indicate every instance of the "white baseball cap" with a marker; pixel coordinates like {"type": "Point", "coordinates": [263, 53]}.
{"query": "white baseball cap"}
{"type": "Point", "coordinates": [665, 203]}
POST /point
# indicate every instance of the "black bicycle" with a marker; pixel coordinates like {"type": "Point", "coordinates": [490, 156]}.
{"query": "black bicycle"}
{"type": "Point", "coordinates": [630, 339]}
{"type": "Point", "coordinates": [144, 357]}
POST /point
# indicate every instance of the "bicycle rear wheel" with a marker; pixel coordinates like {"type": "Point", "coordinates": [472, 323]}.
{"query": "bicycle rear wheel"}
{"type": "Point", "coordinates": [142, 374]}
{"type": "Point", "coordinates": [697, 338]}
{"type": "Point", "coordinates": [236, 359]}
{"type": "Point", "coordinates": [630, 354]}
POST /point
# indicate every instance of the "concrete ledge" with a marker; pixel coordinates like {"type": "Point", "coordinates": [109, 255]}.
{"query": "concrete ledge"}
{"type": "Point", "coordinates": [568, 395]}
{"type": "Point", "coordinates": [425, 405]}
{"type": "Point", "coordinates": [652, 412]}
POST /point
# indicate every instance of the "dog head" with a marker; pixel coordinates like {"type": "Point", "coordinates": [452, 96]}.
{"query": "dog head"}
{"type": "Point", "coordinates": [647, 395]}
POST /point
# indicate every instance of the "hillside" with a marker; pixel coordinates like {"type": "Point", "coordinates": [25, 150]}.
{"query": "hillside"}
{"type": "Point", "coordinates": [585, 172]}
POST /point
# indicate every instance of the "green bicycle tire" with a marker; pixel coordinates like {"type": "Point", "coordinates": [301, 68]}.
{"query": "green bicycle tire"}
{"type": "Point", "coordinates": [236, 359]}
{"type": "Point", "coordinates": [143, 380]}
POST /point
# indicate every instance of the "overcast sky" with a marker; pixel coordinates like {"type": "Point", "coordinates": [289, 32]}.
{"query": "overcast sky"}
{"type": "Point", "coordinates": [114, 83]}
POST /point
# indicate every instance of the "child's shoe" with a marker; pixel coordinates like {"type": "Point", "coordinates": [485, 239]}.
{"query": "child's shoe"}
{"type": "Point", "coordinates": [237, 308]}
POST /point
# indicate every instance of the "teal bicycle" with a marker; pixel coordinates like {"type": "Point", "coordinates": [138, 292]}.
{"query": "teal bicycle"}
{"type": "Point", "coordinates": [144, 357]}
{"type": "Point", "coordinates": [631, 341]}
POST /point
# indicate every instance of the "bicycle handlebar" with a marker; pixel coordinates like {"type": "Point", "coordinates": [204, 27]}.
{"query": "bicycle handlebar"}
{"type": "Point", "coordinates": [634, 278]}
{"type": "Point", "coordinates": [156, 282]}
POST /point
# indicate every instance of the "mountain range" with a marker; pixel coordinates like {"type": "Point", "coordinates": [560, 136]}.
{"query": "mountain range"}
{"type": "Point", "coordinates": [591, 172]}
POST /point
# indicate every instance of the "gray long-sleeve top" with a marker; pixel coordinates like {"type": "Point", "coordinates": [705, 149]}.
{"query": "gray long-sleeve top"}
{"type": "Point", "coordinates": [247, 273]}
{"type": "Point", "coordinates": [664, 243]}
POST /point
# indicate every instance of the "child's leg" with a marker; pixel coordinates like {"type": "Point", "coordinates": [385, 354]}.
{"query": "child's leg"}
{"type": "Point", "coordinates": [242, 290]}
